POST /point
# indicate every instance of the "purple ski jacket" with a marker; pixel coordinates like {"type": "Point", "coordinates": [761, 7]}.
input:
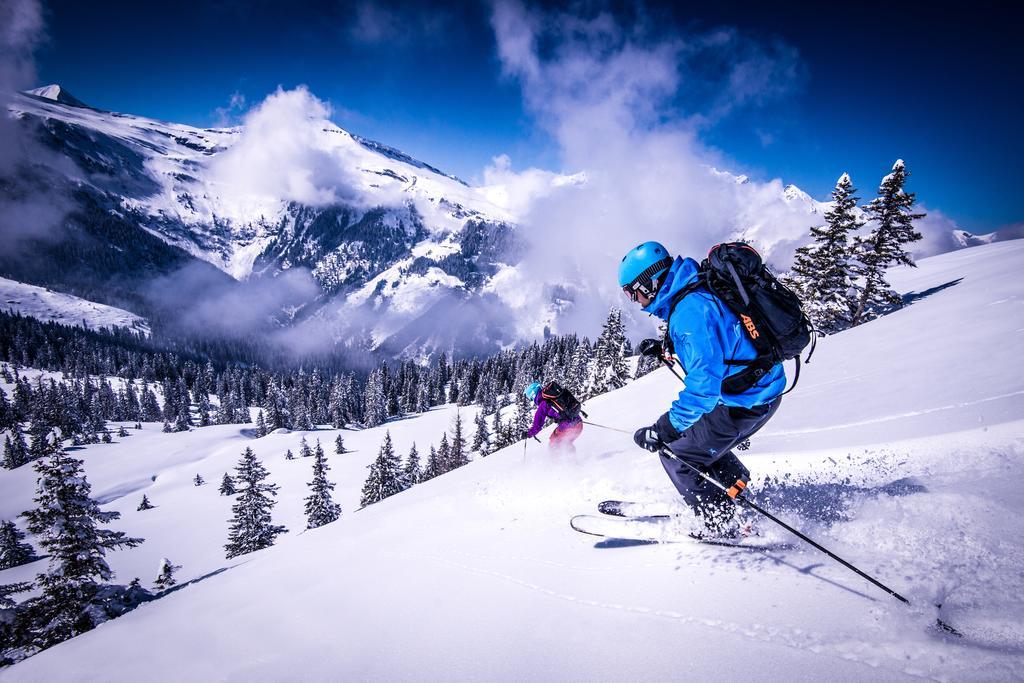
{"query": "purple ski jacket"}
{"type": "Point", "coordinates": [544, 411]}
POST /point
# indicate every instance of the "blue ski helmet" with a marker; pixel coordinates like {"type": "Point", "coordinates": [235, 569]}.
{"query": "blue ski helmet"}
{"type": "Point", "coordinates": [532, 390]}
{"type": "Point", "coordinates": [641, 266]}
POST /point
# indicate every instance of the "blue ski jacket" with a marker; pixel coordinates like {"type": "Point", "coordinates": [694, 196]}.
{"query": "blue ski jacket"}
{"type": "Point", "coordinates": [706, 334]}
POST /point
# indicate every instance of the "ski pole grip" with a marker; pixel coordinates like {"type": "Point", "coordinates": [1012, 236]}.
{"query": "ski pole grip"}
{"type": "Point", "coordinates": [736, 489]}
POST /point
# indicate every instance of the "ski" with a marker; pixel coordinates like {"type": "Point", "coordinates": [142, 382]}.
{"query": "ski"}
{"type": "Point", "coordinates": [655, 529]}
{"type": "Point", "coordinates": [626, 508]}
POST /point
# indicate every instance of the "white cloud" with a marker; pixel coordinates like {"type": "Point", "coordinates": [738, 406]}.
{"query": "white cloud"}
{"type": "Point", "coordinates": [398, 23]}
{"type": "Point", "coordinates": [227, 115]}
{"type": "Point", "coordinates": [284, 152]}
{"type": "Point", "coordinates": [608, 92]}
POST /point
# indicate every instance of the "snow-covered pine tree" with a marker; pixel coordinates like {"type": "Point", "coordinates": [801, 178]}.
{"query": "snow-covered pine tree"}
{"type": "Point", "coordinates": [165, 579]}
{"type": "Point", "coordinates": [198, 480]}
{"type": "Point", "coordinates": [498, 430]}
{"type": "Point", "coordinates": [339, 445]}
{"type": "Point", "coordinates": [892, 216]}
{"type": "Point", "coordinates": [65, 521]}
{"type": "Point", "coordinates": [121, 432]}
{"type": "Point", "coordinates": [482, 435]}
{"type": "Point", "coordinates": [375, 409]}
{"type": "Point", "coordinates": [252, 526]}
{"type": "Point", "coordinates": [411, 471]}
{"type": "Point", "coordinates": [227, 485]}
{"type": "Point", "coordinates": [145, 504]}
{"type": "Point", "coordinates": [458, 456]}
{"type": "Point", "coordinates": [385, 477]}
{"type": "Point", "coordinates": [288, 455]}
{"type": "Point", "coordinates": [304, 450]}
{"type": "Point", "coordinates": [14, 552]}
{"type": "Point", "coordinates": [823, 271]}
{"type": "Point", "coordinates": [444, 455]}
{"type": "Point", "coordinates": [320, 507]}
{"type": "Point", "coordinates": [261, 425]}
{"type": "Point", "coordinates": [433, 467]}
{"type": "Point", "coordinates": [523, 418]}
{"type": "Point", "coordinates": [6, 591]}
{"type": "Point", "coordinates": [149, 407]}
{"type": "Point", "coordinates": [15, 449]}
{"type": "Point", "coordinates": [608, 369]}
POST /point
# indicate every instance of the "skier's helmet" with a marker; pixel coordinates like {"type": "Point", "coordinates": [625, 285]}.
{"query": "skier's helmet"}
{"type": "Point", "coordinates": [641, 267]}
{"type": "Point", "coordinates": [532, 390]}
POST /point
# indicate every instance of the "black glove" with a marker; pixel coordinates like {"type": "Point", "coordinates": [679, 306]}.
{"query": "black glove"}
{"type": "Point", "coordinates": [650, 347]}
{"type": "Point", "coordinates": [658, 435]}
{"type": "Point", "coordinates": [647, 437]}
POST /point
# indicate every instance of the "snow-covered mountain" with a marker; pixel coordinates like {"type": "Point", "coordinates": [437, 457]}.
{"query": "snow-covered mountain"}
{"type": "Point", "coordinates": [312, 227]}
{"type": "Point", "coordinates": [894, 450]}
{"type": "Point", "coordinates": [381, 235]}
{"type": "Point", "coordinates": [46, 305]}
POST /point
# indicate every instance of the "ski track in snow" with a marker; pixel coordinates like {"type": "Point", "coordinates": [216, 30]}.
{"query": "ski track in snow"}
{"type": "Point", "coordinates": [891, 418]}
{"type": "Point", "coordinates": [797, 638]}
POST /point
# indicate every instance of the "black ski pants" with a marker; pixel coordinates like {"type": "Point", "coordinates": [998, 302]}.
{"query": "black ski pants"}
{"type": "Point", "coordinates": [707, 445]}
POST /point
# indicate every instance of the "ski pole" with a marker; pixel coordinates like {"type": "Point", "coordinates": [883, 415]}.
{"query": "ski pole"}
{"type": "Point", "coordinates": [672, 366]}
{"type": "Point", "coordinates": [594, 424]}
{"type": "Point", "coordinates": [735, 493]}
{"type": "Point", "coordinates": [653, 348]}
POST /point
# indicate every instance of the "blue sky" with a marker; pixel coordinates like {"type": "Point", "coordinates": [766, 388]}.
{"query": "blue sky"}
{"type": "Point", "coordinates": [870, 83]}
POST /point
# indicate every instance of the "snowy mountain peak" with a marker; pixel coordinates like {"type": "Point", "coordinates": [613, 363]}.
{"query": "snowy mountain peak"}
{"type": "Point", "coordinates": [56, 93]}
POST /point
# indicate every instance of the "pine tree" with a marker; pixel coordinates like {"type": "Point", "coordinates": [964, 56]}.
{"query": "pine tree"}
{"type": "Point", "coordinates": [166, 577]}
{"type": "Point", "coordinates": [893, 219]}
{"type": "Point", "coordinates": [288, 455]}
{"type": "Point", "coordinates": [304, 450]}
{"type": "Point", "coordinates": [66, 521]}
{"type": "Point", "coordinates": [385, 477]}
{"type": "Point", "coordinates": [227, 486]}
{"type": "Point", "coordinates": [498, 430]}
{"type": "Point", "coordinates": [433, 467]}
{"type": "Point", "coordinates": [320, 507]}
{"type": "Point", "coordinates": [482, 435]}
{"type": "Point", "coordinates": [444, 455]}
{"type": "Point", "coordinates": [121, 432]}
{"type": "Point", "coordinates": [608, 369]}
{"type": "Point", "coordinates": [6, 591]}
{"type": "Point", "coordinates": [15, 450]}
{"type": "Point", "coordinates": [411, 472]}
{"type": "Point", "coordinates": [252, 527]}
{"type": "Point", "coordinates": [374, 399]}
{"type": "Point", "coordinates": [14, 552]}
{"type": "Point", "coordinates": [198, 480]}
{"type": "Point", "coordinates": [822, 273]}
{"type": "Point", "coordinates": [339, 445]}
{"type": "Point", "coordinates": [459, 456]}
{"type": "Point", "coordinates": [145, 504]}
{"type": "Point", "coordinates": [523, 419]}
{"type": "Point", "coordinates": [261, 425]}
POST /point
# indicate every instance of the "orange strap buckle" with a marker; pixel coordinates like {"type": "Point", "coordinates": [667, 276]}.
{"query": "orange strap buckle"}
{"type": "Point", "coordinates": [736, 489]}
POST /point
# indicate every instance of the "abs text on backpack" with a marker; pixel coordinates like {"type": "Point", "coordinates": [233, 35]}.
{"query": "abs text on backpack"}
{"type": "Point", "coordinates": [770, 312]}
{"type": "Point", "coordinates": [562, 400]}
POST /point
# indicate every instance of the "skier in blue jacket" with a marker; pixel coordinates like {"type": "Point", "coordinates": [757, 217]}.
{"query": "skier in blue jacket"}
{"type": "Point", "coordinates": [703, 424]}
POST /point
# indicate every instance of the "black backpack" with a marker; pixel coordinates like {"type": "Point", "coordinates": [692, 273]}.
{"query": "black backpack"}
{"type": "Point", "coordinates": [562, 400]}
{"type": "Point", "coordinates": [771, 313]}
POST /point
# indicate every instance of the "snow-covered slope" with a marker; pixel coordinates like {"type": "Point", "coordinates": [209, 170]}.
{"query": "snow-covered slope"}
{"type": "Point", "coordinates": [898, 450]}
{"type": "Point", "coordinates": [47, 305]}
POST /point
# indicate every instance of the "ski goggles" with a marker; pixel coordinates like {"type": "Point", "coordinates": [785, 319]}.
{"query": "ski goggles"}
{"type": "Point", "coordinates": [644, 282]}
